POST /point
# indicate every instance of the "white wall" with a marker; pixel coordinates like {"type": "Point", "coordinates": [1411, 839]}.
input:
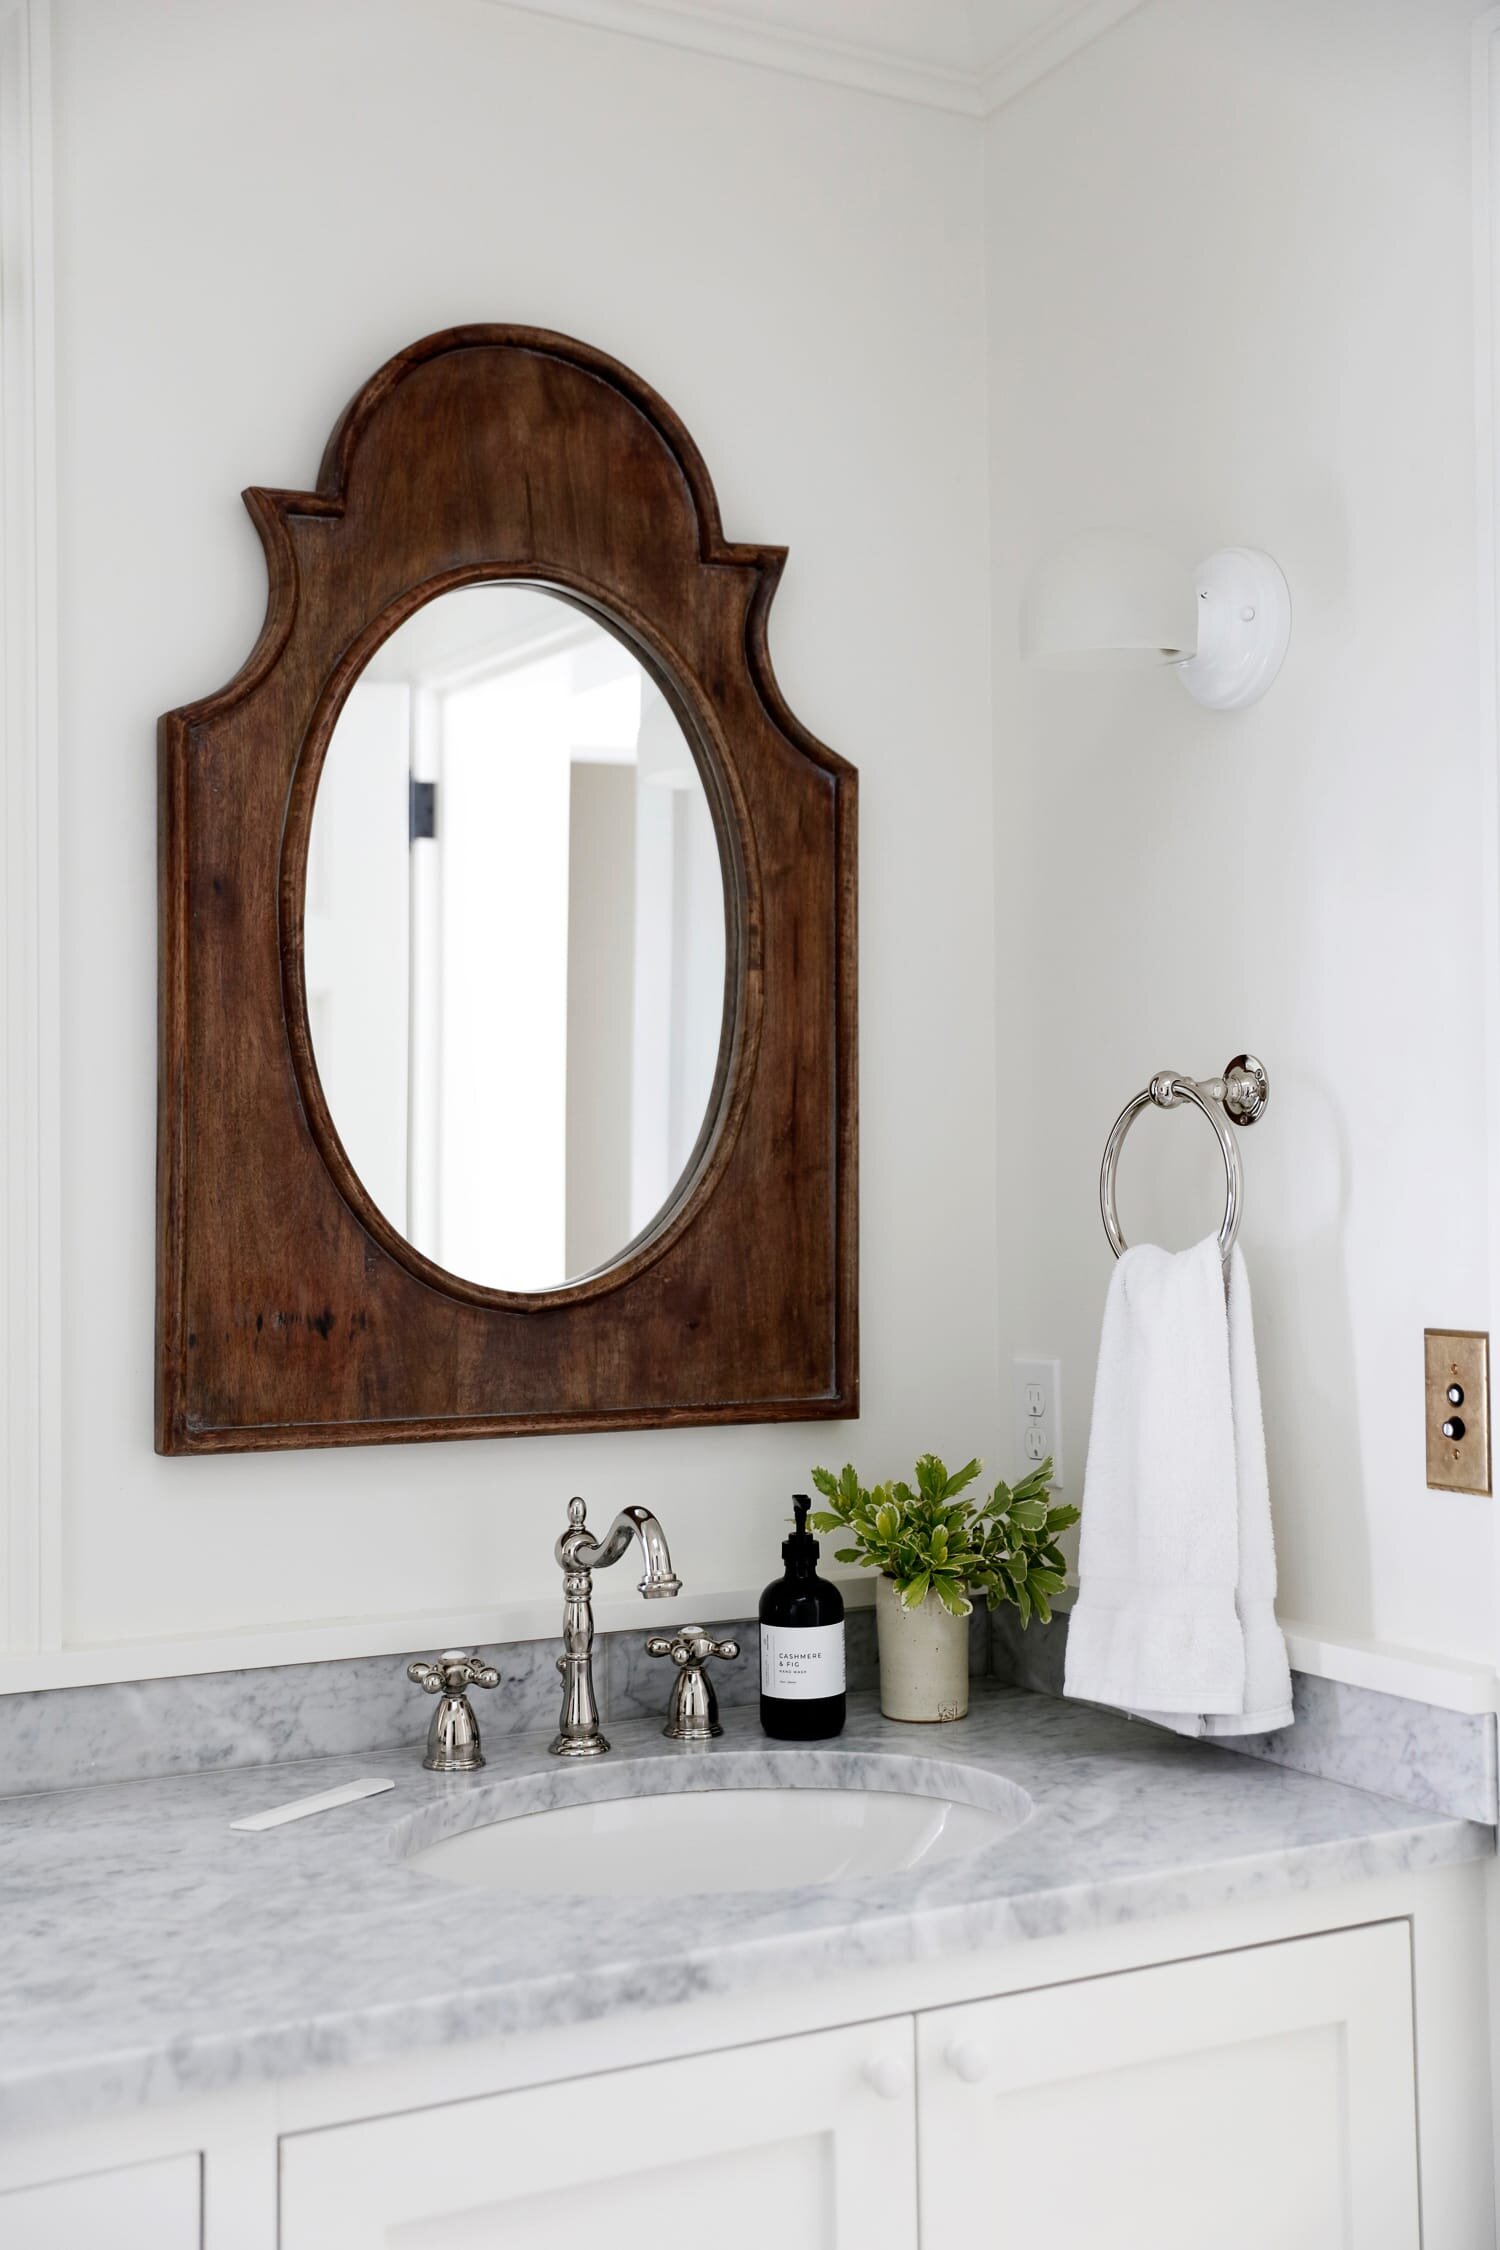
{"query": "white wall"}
{"type": "Point", "coordinates": [257, 202]}
{"type": "Point", "coordinates": [1228, 261]}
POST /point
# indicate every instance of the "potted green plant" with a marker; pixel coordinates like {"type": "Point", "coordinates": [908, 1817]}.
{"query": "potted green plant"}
{"type": "Point", "coordinates": [935, 1545]}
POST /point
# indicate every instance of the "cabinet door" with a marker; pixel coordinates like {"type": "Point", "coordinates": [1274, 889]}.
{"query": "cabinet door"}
{"type": "Point", "coordinates": [142, 2207]}
{"type": "Point", "coordinates": [800, 2144]}
{"type": "Point", "coordinates": [1261, 2100]}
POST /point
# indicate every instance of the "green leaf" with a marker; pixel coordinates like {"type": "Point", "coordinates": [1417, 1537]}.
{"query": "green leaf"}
{"type": "Point", "coordinates": [952, 1596]}
{"type": "Point", "coordinates": [888, 1522]}
{"type": "Point", "coordinates": [826, 1483]}
{"type": "Point", "coordinates": [848, 1554]}
{"type": "Point", "coordinates": [932, 1477]}
{"type": "Point", "coordinates": [914, 1592]}
{"type": "Point", "coordinates": [959, 1478]}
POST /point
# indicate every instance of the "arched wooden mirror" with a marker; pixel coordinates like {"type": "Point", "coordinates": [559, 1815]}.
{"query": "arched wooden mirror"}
{"type": "Point", "coordinates": [507, 966]}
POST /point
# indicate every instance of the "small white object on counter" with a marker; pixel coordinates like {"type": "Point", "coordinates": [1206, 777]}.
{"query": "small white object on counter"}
{"type": "Point", "coordinates": [299, 1808]}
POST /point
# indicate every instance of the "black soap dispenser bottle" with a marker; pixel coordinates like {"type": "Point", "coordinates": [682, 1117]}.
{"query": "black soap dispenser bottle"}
{"type": "Point", "coordinates": [801, 1644]}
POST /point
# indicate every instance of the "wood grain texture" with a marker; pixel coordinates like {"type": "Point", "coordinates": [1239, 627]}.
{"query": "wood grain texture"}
{"type": "Point", "coordinates": [289, 1311]}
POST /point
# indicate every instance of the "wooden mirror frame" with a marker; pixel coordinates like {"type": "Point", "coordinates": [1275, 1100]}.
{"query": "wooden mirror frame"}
{"type": "Point", "coordinates": [290, 1311]}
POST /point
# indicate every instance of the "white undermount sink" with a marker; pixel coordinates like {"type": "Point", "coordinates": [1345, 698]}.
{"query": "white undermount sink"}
{"type": "Point", "coordinates": [706, 1834]}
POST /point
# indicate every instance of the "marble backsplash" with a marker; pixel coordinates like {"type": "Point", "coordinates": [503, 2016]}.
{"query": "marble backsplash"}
{"type": "Point", "coordinates": [143, 1729]}
{"type": "Point", "coordinates": [134, 1730]}
{"type": "Point", "coordinates": [1442, 1760]}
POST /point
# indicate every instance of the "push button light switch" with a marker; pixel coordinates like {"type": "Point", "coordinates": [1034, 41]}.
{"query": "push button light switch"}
{"type": "Point", "coordinates": [1458, 1410]}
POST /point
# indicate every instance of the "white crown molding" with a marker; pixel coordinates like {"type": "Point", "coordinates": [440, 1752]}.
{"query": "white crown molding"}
{"type": "Point", "coordinates": [871, 70]}
{"type": "Point", "coordinates": [29, 965]}
{"type": "Point", "coordinates": [1009, 73]}
{"type": "Point", "coordinates": [975, 91]}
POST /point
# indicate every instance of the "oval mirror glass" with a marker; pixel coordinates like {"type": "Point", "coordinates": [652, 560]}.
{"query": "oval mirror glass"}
{"type": "Point", "coordinates": [514, 939]}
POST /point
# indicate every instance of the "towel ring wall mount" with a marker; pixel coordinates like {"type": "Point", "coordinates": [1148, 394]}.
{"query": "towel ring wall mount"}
{"type": "Point", "coordinates": [1238, 1098]}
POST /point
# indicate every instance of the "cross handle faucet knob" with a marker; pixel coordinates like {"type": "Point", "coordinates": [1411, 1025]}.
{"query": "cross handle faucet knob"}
{"type": "Point", "coordinates": [693, 1713]}
{"type": "Point", "coordinates": [690, 1644]}
{"type": "Point", "coordinates": [455, 1670]}
{"type": "Point", "coordinates": [453, 1737]}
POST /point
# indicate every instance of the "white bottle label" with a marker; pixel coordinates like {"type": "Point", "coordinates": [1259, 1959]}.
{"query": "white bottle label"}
{"type": "Point", "coordinates": [798, 1662]}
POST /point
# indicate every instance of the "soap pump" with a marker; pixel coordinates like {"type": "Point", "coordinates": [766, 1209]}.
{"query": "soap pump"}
{"type": "Point", "coordinates": [801, 1643]}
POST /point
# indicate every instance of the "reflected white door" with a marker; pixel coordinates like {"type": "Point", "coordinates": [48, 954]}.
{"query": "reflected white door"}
{"type": "Point", "coordinates": [503, 817]}
{"type": "Point", "coordinates": [355, 936]}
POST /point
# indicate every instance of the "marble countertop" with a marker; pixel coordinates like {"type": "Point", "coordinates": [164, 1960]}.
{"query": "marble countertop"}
{"type": "Point", "coordinates": [149, 1952]}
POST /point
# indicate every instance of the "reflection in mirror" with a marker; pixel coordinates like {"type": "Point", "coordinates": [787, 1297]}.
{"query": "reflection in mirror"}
{"type": "Point", "coordinates": [514, 938]}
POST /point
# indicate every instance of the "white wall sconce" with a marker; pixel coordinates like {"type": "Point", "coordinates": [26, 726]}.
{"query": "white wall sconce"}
{"type": "Point", "coordinates": [1107, 601]}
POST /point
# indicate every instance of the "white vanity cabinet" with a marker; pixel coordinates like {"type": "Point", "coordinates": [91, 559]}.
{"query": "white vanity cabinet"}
{"type": "Point", "coordinates": [1248, 2100]}
{"type": "Point", "coordinates": [807, 2144]}
{"type": "Point", "coordinates": [1244, 2078]}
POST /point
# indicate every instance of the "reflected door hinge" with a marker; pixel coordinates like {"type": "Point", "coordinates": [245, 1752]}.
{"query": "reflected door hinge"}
{"type": "Point", "coordinates": [423, 812]}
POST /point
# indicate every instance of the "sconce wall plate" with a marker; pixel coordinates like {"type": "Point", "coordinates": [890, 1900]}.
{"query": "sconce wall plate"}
{"type": "Point", "coordinates": [1244, 626]}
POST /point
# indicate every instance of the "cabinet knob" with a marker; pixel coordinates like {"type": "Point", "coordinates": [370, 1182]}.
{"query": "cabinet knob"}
{"type": "Point", "coordinates": [890, 2079]}
{"type": "Point", "coordinates": [967, 2060]}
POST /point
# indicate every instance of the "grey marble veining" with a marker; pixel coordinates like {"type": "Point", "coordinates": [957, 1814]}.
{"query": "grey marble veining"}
{"type": "Point", "coordinates": [134, 1730]}
{"type": "Point", "coordinates": [1424, 1756]}
{"type": "Point", "coordinates": [138, 1729]}
{"type": "Point", "coordinates": [150, 1952]}
{"type": "Point", "coordinates": [638, 1686]}
{"type": "Point", "coordinates": [1445, 1760]}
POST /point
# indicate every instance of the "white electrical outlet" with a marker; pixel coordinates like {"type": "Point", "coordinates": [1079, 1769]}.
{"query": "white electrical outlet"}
{"type": "Point", "coordinates": [1038, 1415]}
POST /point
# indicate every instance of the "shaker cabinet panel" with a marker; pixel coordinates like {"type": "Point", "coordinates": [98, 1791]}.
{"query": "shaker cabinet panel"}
{"type": "Point", "coordinates": [1244, 2100]}
{"type": "Point", "coordinates": [804, 2144]}
{"type": "Point", "coordinates": [140, 2207]}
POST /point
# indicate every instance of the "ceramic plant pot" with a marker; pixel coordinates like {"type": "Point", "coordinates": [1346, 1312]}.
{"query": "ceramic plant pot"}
{"type": "Point", "coordinates": [924, 1657]}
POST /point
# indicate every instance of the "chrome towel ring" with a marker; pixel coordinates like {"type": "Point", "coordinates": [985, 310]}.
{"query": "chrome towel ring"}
{"type": "Point", "coordinates": [1238, 1098]}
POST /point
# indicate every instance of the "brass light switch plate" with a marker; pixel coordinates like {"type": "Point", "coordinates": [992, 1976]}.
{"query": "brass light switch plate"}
{"type": "Point", "coordinates": [1458, 1410]}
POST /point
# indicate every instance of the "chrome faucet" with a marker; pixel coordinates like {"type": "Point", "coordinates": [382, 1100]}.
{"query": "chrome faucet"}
{"type": "Point", "coordinates": [580, 1555]}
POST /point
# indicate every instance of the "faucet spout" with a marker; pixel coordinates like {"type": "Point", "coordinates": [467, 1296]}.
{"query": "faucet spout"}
{"type": "Point", "coordinates": [585, 1553]}
{"type": "Point", "coordinates": [579, 1555]}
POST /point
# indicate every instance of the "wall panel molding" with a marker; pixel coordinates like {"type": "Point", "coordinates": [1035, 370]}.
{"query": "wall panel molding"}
{"type": "Point", "coordinates": [1486, 247]}
{"type": "Point", "coordinates": [29, 1105]}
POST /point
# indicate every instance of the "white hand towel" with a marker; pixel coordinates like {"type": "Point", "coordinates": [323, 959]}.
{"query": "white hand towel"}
{"type": "Point", "coordinates": [1175, 1619]}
